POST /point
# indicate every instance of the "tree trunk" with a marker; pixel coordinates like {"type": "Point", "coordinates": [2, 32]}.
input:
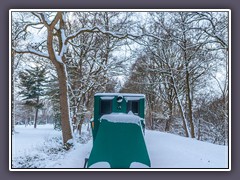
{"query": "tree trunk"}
{"type": "Point", "coordinates": [189, 103]}
{"type": "Point", "coordinates": [64, 104]}
{"type": "Point", "coordinates": [181, 108]}
{"type": "Point", "coordinates": [191, 116]}
{"type": "Point", "coordinates": [63, 86]}
{"type": "Point", "coordinates": [80, 126]}
{"type": "Point", "coordinates": [36, 114]}
{"type": "Point", "coordinates": [35, 119]}
{"type": "Point", "coordinates": [183, 117]}
{"type": "Point", "coordinates": [169, 121]}
{"type": "Point", "coordinates": [199, 129]}
{"type": "Point", "coordinates": [151, 117]}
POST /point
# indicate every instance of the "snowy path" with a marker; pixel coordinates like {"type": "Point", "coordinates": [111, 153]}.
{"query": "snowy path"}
{"type": "Point", "coordinates": [165, 150]}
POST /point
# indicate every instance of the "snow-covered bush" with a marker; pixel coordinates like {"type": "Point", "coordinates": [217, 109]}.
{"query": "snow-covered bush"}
{"type": "Point", "coordinates": [42, 156]}
{"type": "Point", "coordinates": [48, 153]}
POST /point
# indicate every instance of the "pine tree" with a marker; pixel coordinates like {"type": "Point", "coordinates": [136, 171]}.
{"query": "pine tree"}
{"type": "Point", "coordinates": [54, 93]}
{"type": "Point", "coordinates": [32, 82]}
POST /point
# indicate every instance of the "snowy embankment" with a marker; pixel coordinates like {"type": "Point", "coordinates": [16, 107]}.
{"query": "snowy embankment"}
{"type": "Point", "coordinates": [41, 148]}
{"type": "Point", "coordinates": [172, 151]}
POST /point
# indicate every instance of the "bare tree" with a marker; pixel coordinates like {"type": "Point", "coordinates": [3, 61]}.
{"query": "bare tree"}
{"type": "Point", "coordinates": [54, 45]}
{"type": "Point", "coordinates": [179, 59]}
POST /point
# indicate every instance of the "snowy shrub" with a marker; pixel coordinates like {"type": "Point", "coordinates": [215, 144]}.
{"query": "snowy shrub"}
{"type": "Point", "coordinates": [43, 156]}
{"type": "Point", "coordinates": [48, 153]}
{"type": "Point", "coordinates": [84, 138]}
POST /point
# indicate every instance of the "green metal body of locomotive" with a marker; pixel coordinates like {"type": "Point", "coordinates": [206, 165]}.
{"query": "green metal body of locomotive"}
{"type": "Point", "coordinates": [118, 131]}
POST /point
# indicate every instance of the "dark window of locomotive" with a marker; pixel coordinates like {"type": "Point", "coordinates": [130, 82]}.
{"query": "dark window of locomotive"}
{"type": "Point", "coordinates": [105, 107]}
{"type": "Point", "coordinates": [133, 106]}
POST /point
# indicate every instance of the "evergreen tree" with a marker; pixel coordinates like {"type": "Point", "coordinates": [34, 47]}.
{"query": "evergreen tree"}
{"type": "Point", "coordinates": [53, 93]}
{"type": "Point", "coordinates": [32, 82]}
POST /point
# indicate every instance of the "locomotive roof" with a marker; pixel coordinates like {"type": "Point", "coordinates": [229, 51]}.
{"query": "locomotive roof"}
{"type": "Point", "coordinates": [120, 94]}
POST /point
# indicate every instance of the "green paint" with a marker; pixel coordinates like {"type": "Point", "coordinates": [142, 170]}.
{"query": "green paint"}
{"type": "Point", "coordinates": [119, 144]}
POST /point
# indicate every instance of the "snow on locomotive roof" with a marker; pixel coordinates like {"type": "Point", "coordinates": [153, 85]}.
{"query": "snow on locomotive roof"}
{"type": "Point", "coordinates": [119, 94]}
{"type": "Point", "coordinates": [122, 118]}
{"type": "Point", "coordinates": [133, 98]}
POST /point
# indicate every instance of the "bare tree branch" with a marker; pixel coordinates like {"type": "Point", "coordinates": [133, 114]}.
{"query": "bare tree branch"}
{"type": "Point", "coordinates": [32, 51]}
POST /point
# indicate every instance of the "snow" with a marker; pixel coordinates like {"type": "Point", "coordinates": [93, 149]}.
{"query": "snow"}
{"type": "Point", "coordinates": [27, 138]}
{"type": "Point", "coordinates": [76, 157]}
{"type": "Point", "coordinates": [107, 165]}
{"type": "Point", "coordinates": [107, 98]}
{"type": "Point", "coordinates": [121, 118]}
{"type": "Point", "coordinates": [119, 94]}
{"type": "Point", "coordinates": [172, 151]}
{"type": "Point", "coordinates": [64, 46]}
{"type": "Point", "coordinates": [138, 165]}
{"type": "Point", "coordinates": [76, 33]}
{"type": "Point", "coordinates": [58, 58]}
{"type": "Point", "coordinates": [101, 165]}
{"type": "Point", "coordinates": [132, 98]}
{"type": "Point", "coordinates": [38, 52]}
{"type": "Point", "coordinates": [165, 150]}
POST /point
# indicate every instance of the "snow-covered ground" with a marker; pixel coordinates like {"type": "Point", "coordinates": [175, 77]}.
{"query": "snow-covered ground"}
{"type": "Point", "coordinates": [166, 150]}
{"type": "Point", "coordinates": [27, 138]}
{"type": "Point", "coordinates": [172, 151]}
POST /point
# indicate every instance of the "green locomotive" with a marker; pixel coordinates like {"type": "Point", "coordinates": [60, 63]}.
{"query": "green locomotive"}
{"type": "Point", "coordinates": [118, 130]}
